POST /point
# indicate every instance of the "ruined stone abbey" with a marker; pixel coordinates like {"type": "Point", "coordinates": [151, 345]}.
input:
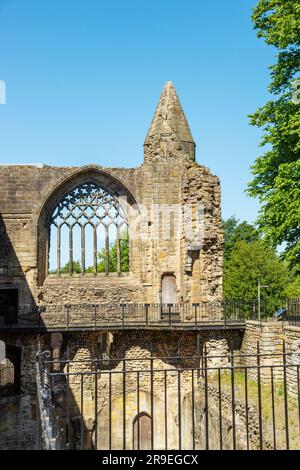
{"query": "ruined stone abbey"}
{"type": "Point", "coordinates": [101, 265]}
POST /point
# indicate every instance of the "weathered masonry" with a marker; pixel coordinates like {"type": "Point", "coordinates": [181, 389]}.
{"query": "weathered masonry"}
{"type": "Point", "coordinates": [105, 262]}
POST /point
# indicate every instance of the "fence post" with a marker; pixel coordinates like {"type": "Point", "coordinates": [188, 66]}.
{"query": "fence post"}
{"type": "Point", "coordinates": [286, 411]}
{"type": "Point", "coordinates": [206, 400]}
{"type": "Point", "coordinates": [259, 396]}
{"type": "Point", "coordinates": [196, 313]}
{"type": "Point", "coordinates": [147, 313]}
{"type": "Point", "coordinates": [123, 314]}
{"type": "Point", "coordinates": [67, 315]}
{"type": "Point", "coordinates": [233, 400]}
{"type": "Point", "coordinates": [198, 349]}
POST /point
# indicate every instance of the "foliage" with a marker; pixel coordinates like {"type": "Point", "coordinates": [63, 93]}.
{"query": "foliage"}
{"type": "Point", "coordinates": [234, 231]}
{"type": "Point", "coordinates": [250, 262]}
{"type": "Point", "coordinates": [276, 173]}
{"type": "Point", "coordinates": [124, 252]}
{"type": "Point", "coordinates": [293, 288]}
{"type": "Point", "coordinates": [76, 267]}
{"type": "Point", "coordinates": [124, 255]}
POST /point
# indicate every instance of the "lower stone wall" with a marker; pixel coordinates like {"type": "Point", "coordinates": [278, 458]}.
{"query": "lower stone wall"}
{"type": "Point", "coordinates": [176, 350]}
{"type": "Point", "coordinates": [267, 339]}
{"type": "Point", "coordinates": [85, 351]}
{"type": "Point", "coordinates": [292, 341]}
{"type": "Point", "coordinates": [272, 338]}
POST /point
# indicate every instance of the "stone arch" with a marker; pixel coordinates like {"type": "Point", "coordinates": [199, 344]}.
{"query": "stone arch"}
{"type": "Point", "coordinates": [10, 371]}
{"type": "Point", "coordinates": [110, 421]}
{"type": "Point", "coordinates": [141, 429]}
{"type": "Point", "coordinates": [92, 174]}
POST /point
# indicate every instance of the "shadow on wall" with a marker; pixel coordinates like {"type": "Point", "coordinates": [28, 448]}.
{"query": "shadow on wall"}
{"type": "Point", "coordinates": [17, 306]}
{"type": "Point", "coordinates": [16, 300]}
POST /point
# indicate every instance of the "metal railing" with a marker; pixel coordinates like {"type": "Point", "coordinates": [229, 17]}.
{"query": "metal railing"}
{"type": "Point", "coordinates": [233, 401]}
{"type": "Point", "coordinates": [136, 315]}
{"type": "Point", "coordinates": [49, 432]}
{"type": "Point", "coordinates": [293, 311]}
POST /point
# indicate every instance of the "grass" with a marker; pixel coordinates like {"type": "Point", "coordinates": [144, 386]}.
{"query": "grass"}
{"type": "Point", "coordinates": [273, 421]}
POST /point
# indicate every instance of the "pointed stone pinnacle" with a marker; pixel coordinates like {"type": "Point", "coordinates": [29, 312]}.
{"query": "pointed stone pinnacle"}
{"type": "Point", "coordinates": [169, 117]}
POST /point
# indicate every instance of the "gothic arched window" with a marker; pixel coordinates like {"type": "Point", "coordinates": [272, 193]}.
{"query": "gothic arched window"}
{"type": "Point", "coordinates": [88, 232]}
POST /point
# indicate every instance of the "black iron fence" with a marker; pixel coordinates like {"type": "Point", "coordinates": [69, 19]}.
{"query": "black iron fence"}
{"type": "Point", "coordinates": [234, 401]}
{"type": "Point", "coordinates": [135, 315]}
{"type": "Point", "coordinates": [129, 315]}
{"type": "Point", "coordinates": [293, 311]}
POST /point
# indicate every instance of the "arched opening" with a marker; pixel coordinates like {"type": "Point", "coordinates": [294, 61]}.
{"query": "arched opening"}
{"type": "Point", "coordinates": [10, 372]}
{"type": "Point", "coordinates": [85, 225]}
{"type": "Point", "coordinates": [88, 232]}
{"type": "Point", "coordinates": [7, 375]}
{"type": "Point", "coordinates": [168, 289]}
{"type": "Point", "coordinates": [142, 432]}
{"type": "Point", "coordinates": [169, 298]}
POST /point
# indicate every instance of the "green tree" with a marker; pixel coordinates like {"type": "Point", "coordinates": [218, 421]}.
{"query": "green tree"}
{"type": "Point", "coordinates": [250, 262]}
{"type": "Point", "coordinates": [234, 231]}
{"type": "Point", "coordinates": [293, 286]}
{"type": "Point", "coordinates": [276, 173]}
{"type": "Point", "coordinates": [124, 255]}
{"type": "Point", "coordinates": [76, 267]}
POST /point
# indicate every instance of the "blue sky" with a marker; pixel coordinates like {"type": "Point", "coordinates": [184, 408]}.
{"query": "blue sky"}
{"type": "Point", "coordinates": [83, 78]}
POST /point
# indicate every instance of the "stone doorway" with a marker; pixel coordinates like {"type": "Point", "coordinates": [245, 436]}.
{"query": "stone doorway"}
{"type": "Point", "coordinates": [142, 432]}
{"type": "Point", "coordinates": [169, 307]}
{"type": "Point", "coordinates": [168, 289]}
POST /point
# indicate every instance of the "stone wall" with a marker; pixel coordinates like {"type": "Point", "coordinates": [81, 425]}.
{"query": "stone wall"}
{"type": "Point", "coordinates": [167, 235]}
{"type": "Point", "coordinates": [29, 194]}
{"type": "Point", "coordinates": [292, 342]}
{"type": "Point", "coordinates": [144, 371]}
{"type": "Point", "coordinates": [105, 289]}
{"type": "Point", "coordinates": [17, 423]}
{"type": "Point", "coordinates": [18, 413]}
{"type": "Point", "coordinates": [272, 337]}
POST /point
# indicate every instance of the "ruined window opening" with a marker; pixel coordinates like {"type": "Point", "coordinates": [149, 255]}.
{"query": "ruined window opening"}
{"type": "Point", "coordinates": [88, 233]}
{"type": "Point", "coordinates": [8, 306]}
{"type": "Point", "coordinates": [142, 432]}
